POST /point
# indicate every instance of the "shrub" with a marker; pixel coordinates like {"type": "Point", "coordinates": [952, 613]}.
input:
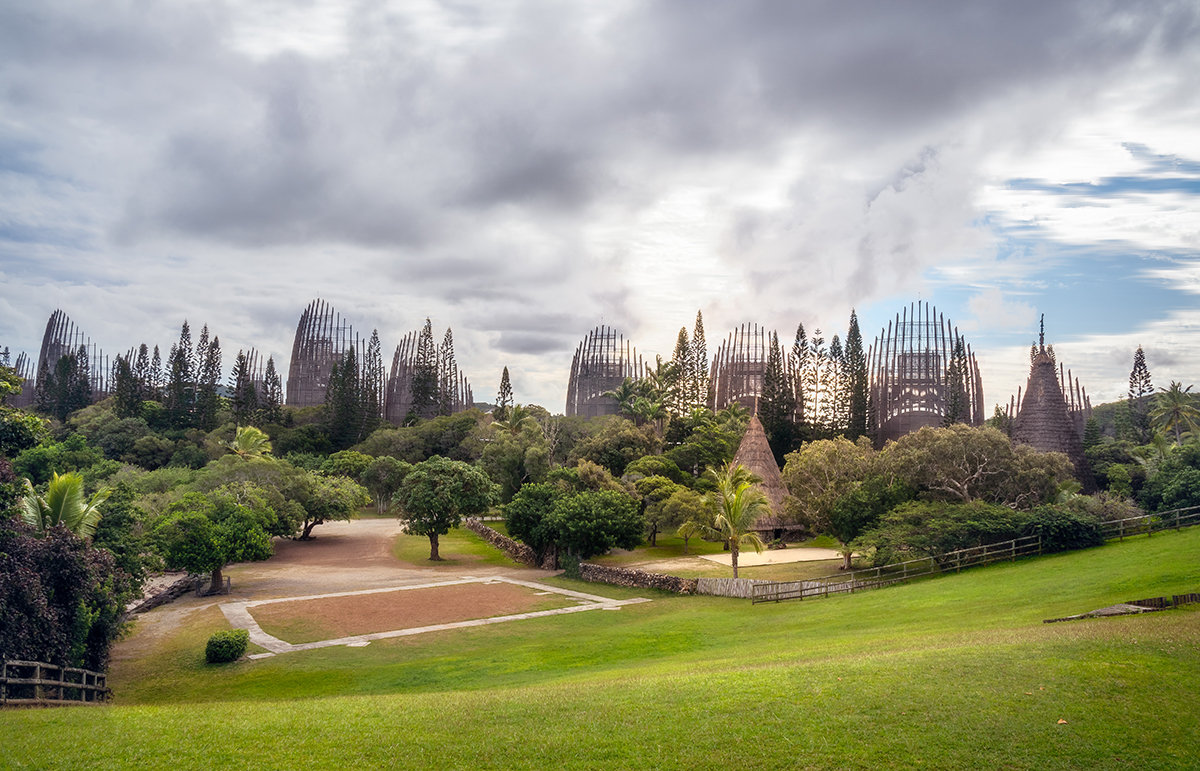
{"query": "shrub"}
{"type": "Point", "coordinates": [1063, 530]}
{"type": "Point", "coordinates": [228, 645]}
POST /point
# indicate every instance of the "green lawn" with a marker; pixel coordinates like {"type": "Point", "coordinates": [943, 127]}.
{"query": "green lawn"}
{"type": "Point", "coordinates": [457, 548]}
{"type": "Point", "coordinates": [957, 672]}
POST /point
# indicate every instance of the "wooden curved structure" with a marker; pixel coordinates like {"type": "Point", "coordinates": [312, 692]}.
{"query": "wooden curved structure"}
{"type": "Point", "coordinates": [322, 338]}
{"type": "Point", "coordinates": [907, 369]}
{"type": "Point", "coordinates": [61, 338]}
{"type": "Point", "coordinates": [740, 365]}
{"type": "Point", "coordinates": [602, 362]}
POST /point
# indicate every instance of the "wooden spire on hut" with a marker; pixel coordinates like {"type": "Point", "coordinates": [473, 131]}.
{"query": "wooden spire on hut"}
{"type": "Point", "coordinates": [755, 454]}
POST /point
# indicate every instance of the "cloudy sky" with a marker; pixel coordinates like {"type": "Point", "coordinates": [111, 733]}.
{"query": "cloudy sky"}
{"type": "Point", "coordinates": [525, 170]}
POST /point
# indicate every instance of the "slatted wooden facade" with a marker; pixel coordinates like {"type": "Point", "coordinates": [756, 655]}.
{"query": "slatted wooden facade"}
{"type": "Point", "coordinates": [740, 365]}
{"type": "Point", "coordinates": [61, 338]}
{"type": "Point", "coordinates": [322, 339]}
{"type": "Point", "coordinates": [398, 396]}
{"type": "Point", "coordinates": [602, 362]}
{"type": "Point", "coordinates": [907, 367]}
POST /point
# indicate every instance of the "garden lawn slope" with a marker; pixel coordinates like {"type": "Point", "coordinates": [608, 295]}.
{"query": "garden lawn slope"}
{"type": "Point", "coordinates": [951, 673]}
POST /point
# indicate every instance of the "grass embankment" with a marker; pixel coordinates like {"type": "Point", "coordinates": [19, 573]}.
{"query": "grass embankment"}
{"type": "Point", "coordinates": [957, 672]}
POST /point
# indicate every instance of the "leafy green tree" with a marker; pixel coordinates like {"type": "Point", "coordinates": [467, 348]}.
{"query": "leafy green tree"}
{"type": "Point", "coordinates": [438, 493]}
{"type": "Point", "coordinates": [593, 522]}
{"type": "Point", "coordinates": [655, 492]}
{"type": "Point", "coordinates": [1175, 410]}
{"type": "Point", "coordinates": [331, 499]}
{"type": "Point", "coordinates": [516, 420]}
{"type": "Point", "coordinates": [820, 473]}
{"type": "Point", "coordinates": [656, 465]}
{"type": "Point", "coordinates": [382, 477]}
{"type": "Point", "coordinates": [1140, 392]}
{"type": "Point", "coordinates": [525, 516]}
{"type": "Point", "coordinates": [1091, 433]}
{"type": "Point", "coordinates": [41, 462]}
{"type": "Point", "coordinates": [624, 395]}
{"type": "Point", "coordinates": [346, 463]}
{"type": "Point", "coordinates": [19, 431]}
{"type": "Point", "coordinates": [737, 505]}
{"type": "Point", "coordinates": [504, 398]}
{"type": "Point", "coordinates": [617, 444]}
{"type": "Point", "coordinates": [934, 528]}
{"type": "Point", "coordinates": [63, 504]}
{"type": "Point", "coordinates": [862, 507]}
{"type": "Point", "coordinates": [515, 459]}
{"type": "Point", "coordinates": [197, 538]}
{"type": "Point", "coordinates": [687, 509]}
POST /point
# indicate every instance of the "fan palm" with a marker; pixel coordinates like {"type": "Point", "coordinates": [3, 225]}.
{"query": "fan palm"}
{"type": "Point", "coordinates": [249, 442]}
{"type": "Point", "coordinates": [738, 506]}
{"type": "Point", "coordinates": [63, 504]}
{"type": "Point", "coordinates": [1175, 408]}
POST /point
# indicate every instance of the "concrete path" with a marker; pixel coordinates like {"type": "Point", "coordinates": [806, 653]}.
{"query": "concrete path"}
{"type": "Point", "coordinates": [238, 614]}
{"type": "Point", "coordinates": [747, 557]}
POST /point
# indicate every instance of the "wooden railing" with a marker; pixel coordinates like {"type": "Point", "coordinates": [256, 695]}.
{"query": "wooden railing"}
{"type": "Point", "coordinates": [34, 683]}
{"type": "Point", "coordinates": [874, 578]}
{"type": "Point", "coordinates": [1149, 524]}
{"type": "Point", "coordinates": [885, 575]}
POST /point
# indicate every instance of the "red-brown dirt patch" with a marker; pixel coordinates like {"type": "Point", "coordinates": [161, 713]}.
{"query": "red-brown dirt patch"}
{"type": "Point", "coordinates": [330, 618]}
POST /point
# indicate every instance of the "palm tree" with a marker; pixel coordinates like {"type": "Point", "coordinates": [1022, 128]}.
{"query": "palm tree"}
{"type": "Point", "coordinates": [1174, 408]}
{"type": "Point", "coordinates": [738, 505]}
{"type": "Point", "coordinates": [624, 395]}
{"type": "Point", "coordinates": [518, 418]}
{"type": "Point", "coordinates": [249, 442]}
{"type": "Point", "coordinates": [63, 504]}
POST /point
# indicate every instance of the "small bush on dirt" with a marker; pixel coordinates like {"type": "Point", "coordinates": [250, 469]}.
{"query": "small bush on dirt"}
{"type": "Point", "coordinates": [228, 645]}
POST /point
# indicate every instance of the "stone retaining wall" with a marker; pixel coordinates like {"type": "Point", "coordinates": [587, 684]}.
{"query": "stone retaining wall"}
{"type": "Point", "coordinates": [169, 594]}
{"type": "Point", "coordinates": [639, 579]}
{"type": "Point", "coordinates": [513, 549]}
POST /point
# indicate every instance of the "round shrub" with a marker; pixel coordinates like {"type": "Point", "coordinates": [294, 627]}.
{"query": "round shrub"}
{"type": "Point", "coordinates": [225, 646]}
{"type": "Point", "coordinates": [1064, 530]}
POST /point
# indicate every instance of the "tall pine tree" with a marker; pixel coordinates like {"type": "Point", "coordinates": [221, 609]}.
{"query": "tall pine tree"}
{"type": "Point", "coordinates": [447, 374]}
{"type": "Point", "coordinates": [699, 395]}
{"type": "Point", "coordinates": [245, 394]}
{"type": "Point", "coordinates": [679, 376]}
{"type": "Point", "coordinates": [956, 386]}
{"type": "Point", "coordinates": [777, 405]}
{"type": "Point", "coordinates": [271, 411]}
{"type": "Point", "coordinates": [799, 357]}
{"type": "Point", "coordinates": [373, 377]}
{"type": "Point", "coordinates": [125, 391]}
{"type": "Point", "coordinates": [855, 366]}
{"type": "Point", "coordinates": [208, 377]}
{"type": "Point", "coordinates": [504, 397]}
{"type": "Point", "coordinates": [343, 402]}
{"type": "Point", "coordinates": [425, 376]}
{"type": "Point", "coordinates": [1140, 392]}
{"type": "Point", "coordinates": [180, 392]}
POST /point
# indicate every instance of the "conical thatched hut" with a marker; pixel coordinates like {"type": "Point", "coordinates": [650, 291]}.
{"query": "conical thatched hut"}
{"type": "Point", "coordinates": [755, 454]}
{"type": "Point", "coordinates": [1044, 420]}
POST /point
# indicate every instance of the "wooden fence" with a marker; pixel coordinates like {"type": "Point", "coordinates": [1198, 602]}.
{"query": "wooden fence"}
{"type": "Point", "coordinates": [874, 578]}
{"type": "Point", "coordinates": [858, 580]}
{"type": "Point", "coordinates": [1149, 524]}
{"type": "Point", "coordinates": [34, 683]}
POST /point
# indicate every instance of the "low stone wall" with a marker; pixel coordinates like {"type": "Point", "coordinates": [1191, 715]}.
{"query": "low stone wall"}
{"type": "Point", "coordinates": [514, 550]}
{"type": "Point", "coordinates": [169, 594]}
{"type": "Point", "coordinates": [639, 579]}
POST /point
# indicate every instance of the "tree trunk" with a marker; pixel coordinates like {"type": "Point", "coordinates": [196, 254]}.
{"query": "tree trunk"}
{"type": "Point", "coordinates": [685, 544]}
{"type": "Point", "coordinates": [653, 535]}
{"type": "Point", "coordinates": [733, 551]}
{"type": "Point", "coordinates": [217, 583]}
{"type": "Point", "coordinates": [847, 554]}
{"type": "Point", "coordinates": [308, 526]}
{"type": "Point", "coordinates": [433, 548]}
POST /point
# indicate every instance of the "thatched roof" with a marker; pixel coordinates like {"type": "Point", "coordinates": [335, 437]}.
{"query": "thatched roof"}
{"type": "Point", "coordinates": [1044, 421]}
{"type": "Point", "coordinates": [755, 454]}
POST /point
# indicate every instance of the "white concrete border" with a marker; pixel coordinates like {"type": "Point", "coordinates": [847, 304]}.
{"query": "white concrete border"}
{"type": "Point", "coordinates": [238, 614]}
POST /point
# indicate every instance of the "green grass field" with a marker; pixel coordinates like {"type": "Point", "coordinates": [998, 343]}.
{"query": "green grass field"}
{"type": "Point", "coordinates": [957, 672]}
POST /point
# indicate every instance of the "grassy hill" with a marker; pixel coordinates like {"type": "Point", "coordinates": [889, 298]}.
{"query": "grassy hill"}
{"type": "Point", "coordinates": [950, 673]}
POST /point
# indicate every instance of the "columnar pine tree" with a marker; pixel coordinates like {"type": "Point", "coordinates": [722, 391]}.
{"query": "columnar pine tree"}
{"type": "Point", "coordinates": [142, 374]}
{"type": "Point", "coordinates": [814, 379]}
{"type": "Point", "coordinates": [245, 394]}
{"type": "Point", "coordinates": [777, 405]}
{"type": "Point", "coordinates": [956, 386]}
{"type": "Point", "coordinates": [343, 402]}
{"type": "Point", "coordinates": [1140, 391]}
{"type": "Point", "coordinates": [208, 377]}
{"type": "Point", "coordinates": [447, 374]}
{"type": "Point", "coordinates": [799, 356]}
{"type": "Point", "coordinates": [156, 376]}
{"type": "Point", "coordinates": [839, 397]}
{"type": "Point", "coordinates": [271, 410]}
{"type": "Point", "coordinates": [679, 381]}
{"type": "Point", "coordinates": [180, 392]}
{"type": "Point", "coordinates": [856, 381]}
{"type": "Point", "coordinates": [373, 378]}
{"type": "Point", "coordinates": [699, 396]}
{"type": "Point", "coordinates": [425, 376]}
{"type": "Point", "coordinates": [504, 398]}
{"type": "Point", "coordinates": [126, 401]}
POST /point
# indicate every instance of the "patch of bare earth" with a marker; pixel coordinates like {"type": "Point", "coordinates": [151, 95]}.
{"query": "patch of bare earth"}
{"type": "Point", "coordinates": [331, 618]}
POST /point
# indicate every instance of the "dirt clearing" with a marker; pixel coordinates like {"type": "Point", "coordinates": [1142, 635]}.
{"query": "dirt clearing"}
{"type": "Point", "coordinates": [302, 621]}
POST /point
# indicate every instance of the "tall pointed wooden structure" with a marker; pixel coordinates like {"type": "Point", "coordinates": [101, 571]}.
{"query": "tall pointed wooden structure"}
{"type": "Point", "coordinates": [754, 453]}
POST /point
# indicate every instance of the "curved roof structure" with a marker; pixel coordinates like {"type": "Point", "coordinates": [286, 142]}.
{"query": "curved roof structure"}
{"type": "Point", "coordinates": [739, 367]}
{"type": "Point", "coordinates": [322, 337]}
